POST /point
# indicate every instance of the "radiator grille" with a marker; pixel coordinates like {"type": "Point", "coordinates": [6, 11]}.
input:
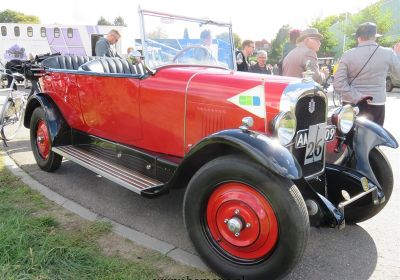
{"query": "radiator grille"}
{"type": "Point", "coordinates": [310, 110]}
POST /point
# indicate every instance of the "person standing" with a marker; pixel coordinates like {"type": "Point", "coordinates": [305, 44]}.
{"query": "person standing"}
{"type": "Point", "coordinates": [242, 57]}
{"type": "Point", "coordinates": [203, 54]}
{"type": "Point", "coordinates": [361, 75]}
{"type": "Point", "coordinates": [304, 57]}
{"type": "Point", "coordinates": [104, 45]}
{"type": "Point", "coordinates": [261, 65]}
{"type": "Point", "coordinates": [294, 34]}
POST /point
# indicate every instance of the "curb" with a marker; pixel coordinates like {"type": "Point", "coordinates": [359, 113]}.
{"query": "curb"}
{"type": "Point", "coordinates": [140, 238]}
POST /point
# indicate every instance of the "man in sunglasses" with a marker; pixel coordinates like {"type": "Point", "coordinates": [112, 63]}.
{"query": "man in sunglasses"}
{"type": "Point", "coordinates": [304, 57]}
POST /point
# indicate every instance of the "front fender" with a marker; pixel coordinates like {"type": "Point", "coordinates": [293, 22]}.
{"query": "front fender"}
{"type": "Point", "coordinates": [259, 147]}
{"type": "Point", "coordinates": [58, 128]}
{"type": "Point", "coordinates": [367, 135]}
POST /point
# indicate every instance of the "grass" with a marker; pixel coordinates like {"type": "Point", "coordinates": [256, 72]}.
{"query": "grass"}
{"type": "Point", "coordinates": [33, 244]}
{"type": "Point", "coordinates": [40, 240]}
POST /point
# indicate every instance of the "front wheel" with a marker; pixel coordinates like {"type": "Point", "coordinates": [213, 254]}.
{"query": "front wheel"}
{"type": "Point", "coordinates": [41, 144]}
{"type": "Point", "coordinates": [245, 221]}
{"type": "Point", "coordinates": [363, 209]}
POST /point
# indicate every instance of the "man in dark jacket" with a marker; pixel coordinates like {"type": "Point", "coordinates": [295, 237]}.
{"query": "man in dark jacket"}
{"type": "Point", "coordinates": [242, 56]}
{"type": "Point", "coordinates": [103, 45]}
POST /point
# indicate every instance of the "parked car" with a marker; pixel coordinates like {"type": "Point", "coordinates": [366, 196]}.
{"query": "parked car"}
{"type": "Point", "coordinates": [260, 156]}
{"type": "Point", "coordinates": [391, 82]}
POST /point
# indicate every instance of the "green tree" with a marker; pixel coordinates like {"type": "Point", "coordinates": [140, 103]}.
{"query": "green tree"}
{"type": "Point", "coordinates": [276, 50]}
{"type": "Point", "coordinates": [373, 13]}
{"type": "Point", "coordinates": [11, 16]}
{"type": "Point", "coordinates": [237, 41]}
{"type": "Point", "coordinates": [330, 41]}
{"type": "Point", "coordinates": [119, 21]}
{"type": "Point", "coordinates": [158, 33]}
{"type": "Point", "coordinates": [186, 34]}
{"type": "Point", "coordinates": [103, 21]}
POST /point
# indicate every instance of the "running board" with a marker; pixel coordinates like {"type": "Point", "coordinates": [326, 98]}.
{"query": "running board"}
{"type": "Point", "coordinates": [128, 178]}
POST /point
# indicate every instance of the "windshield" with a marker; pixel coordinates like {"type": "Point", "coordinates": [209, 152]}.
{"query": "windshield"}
{"type": "Point", "coordinates": [169, 39]}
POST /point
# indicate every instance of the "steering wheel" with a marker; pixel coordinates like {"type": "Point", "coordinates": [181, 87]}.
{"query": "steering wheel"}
{"type": "Point", "coordinates": [202, 54]}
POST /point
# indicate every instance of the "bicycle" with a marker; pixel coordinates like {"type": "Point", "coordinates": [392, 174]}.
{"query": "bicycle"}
{"type": "Point", "coordinates": [12, 104]}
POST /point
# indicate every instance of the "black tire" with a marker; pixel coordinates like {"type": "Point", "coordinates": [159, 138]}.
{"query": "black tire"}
{"type": "Point", "coordinates": [49, 161]}
{"type": "Point", "coordinates": [285, 200]}
{"type": "Point", "coordinates": [364, 209]}
{"type": "Point", "coordinates": [389, 85]}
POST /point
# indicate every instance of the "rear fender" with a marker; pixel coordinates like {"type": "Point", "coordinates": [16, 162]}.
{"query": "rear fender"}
{"type": "Point", "coordinates": [60, 133]}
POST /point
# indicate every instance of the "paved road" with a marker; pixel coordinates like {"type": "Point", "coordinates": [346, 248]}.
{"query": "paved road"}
{"type": "Point", "coordinates": [369, 250]}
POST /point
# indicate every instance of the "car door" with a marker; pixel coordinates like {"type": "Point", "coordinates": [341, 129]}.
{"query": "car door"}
{"type": "Point", "coordinates": [110, 106]}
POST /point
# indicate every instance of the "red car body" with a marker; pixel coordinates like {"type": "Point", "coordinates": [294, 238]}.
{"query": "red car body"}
{"type": "Point", "coordinates": [175, 100]}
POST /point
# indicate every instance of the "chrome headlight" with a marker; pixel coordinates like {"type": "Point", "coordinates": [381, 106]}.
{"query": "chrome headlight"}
{"type": "Point", "coordinates": [343, 118]}
{"type": "Point", "coordinates": [284, 126]}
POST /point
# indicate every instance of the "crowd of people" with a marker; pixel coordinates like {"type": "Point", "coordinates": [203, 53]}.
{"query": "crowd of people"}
{"type": "Point", "coordinates": [360, 76]}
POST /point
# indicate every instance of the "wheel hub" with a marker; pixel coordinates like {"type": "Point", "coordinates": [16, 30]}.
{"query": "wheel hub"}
{"type": "Point", "coordinates": [42, 139]}
{"type": "Point", "coordinates": [241, 221]}
{"type": "Point", "coordinates": [235, 225]}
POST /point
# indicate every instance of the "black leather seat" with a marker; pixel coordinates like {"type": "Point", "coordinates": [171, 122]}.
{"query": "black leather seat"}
{"type": "Point", "coordinates": [69, 62]}
{"type": "Point", "coordinates": [113, 66]}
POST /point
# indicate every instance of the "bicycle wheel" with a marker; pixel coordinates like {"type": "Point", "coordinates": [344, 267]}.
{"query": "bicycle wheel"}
{"type": "Point", "coordinates": [12, 118]}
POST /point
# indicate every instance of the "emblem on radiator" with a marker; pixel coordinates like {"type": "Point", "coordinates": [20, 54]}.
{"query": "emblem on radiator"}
{"type": "Point", "coordinates": [311, 106]}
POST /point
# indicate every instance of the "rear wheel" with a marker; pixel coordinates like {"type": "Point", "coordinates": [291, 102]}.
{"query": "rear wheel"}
{"type": "Point", "coordinates": [12, 118]}
{"type": "Point", "coordinates": [244, 221]}
{"type": "Point", "coordinates": [363, 209]}
{"type": "Point", "coordinates": [41, 144]}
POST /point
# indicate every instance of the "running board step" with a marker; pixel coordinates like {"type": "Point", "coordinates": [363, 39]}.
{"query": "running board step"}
{"type": "Point", "coordinates": [130, 179]}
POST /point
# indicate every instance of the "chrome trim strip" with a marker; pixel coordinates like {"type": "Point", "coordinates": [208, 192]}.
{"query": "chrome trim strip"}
{"type": "Point", "coordinates": [171, 16]}
{"type": "Point", "coordinates": [354, 198]}
{"type": "Point", "coordinates": [185, 111]}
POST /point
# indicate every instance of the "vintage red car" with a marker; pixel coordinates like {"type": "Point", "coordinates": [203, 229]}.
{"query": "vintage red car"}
{"type": "Point", "coordinates": [260, 156]}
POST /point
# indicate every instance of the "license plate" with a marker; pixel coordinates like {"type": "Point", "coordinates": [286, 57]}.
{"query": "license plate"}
{"type": "Point", "coordinates": [314, 139]}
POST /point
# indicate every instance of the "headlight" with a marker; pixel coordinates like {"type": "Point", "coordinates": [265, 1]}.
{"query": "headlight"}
{"type": "Point", "coordinates": [284, 126]}
{"type": "Point", "coordinates": [343, 118]}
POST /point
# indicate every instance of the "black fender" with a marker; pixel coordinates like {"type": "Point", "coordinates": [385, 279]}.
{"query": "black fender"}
{"type": "Point", "coordinates": [367, 135]}
{"type": "Point", "coordinates": [258, 147]}
{"type": "Point", "coordinates": [60, 132]}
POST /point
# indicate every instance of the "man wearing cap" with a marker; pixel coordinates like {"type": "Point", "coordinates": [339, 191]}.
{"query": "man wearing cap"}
{"type": "Point", "coordinates": [361, 75]}
{"type": "Point", "coordinates": [304, 57]}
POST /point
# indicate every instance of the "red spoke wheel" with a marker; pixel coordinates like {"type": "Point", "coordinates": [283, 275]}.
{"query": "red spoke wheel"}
{"type": "Point", "coordinates": [41, 142]}
{"type": "Point", "coordinates": [245, 221]}
{"type": "Point", "coordinates": [242, 221]}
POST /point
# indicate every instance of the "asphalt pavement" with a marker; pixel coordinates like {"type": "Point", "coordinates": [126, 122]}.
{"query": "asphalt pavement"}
{"type": "Point", "coordinates": [369, 250]}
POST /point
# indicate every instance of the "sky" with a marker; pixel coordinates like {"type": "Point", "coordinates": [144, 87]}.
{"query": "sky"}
{"type": "Point", "coordinates": [253, 20]}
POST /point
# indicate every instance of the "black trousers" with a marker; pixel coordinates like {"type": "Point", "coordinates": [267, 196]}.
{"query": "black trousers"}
{"type": "Point", "coordinates": [375, 113]}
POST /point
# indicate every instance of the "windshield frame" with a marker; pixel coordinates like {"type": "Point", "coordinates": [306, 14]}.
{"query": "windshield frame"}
{"type": "Point", "coordinates": [145, 48]}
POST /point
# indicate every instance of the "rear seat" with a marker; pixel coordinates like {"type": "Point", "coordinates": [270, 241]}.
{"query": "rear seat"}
{"type": "Point", "coordinates": [113, 66]}
{"type": "Point", "coordinates": [68, 62]}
